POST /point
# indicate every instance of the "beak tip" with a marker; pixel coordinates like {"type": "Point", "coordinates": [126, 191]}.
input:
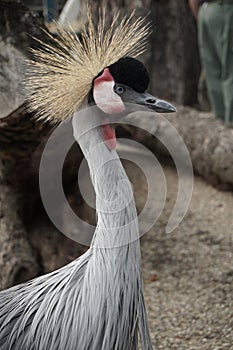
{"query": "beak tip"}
{"type": "Point", "coordinates": [162, 106]}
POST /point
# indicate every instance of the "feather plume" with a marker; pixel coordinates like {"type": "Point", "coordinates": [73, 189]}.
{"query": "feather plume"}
{"type": "Point", "coordinates": [62, 70]}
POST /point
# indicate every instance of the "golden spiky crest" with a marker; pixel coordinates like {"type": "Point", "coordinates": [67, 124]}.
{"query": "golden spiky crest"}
{"type": "Point", "coordinates": [61, 73]}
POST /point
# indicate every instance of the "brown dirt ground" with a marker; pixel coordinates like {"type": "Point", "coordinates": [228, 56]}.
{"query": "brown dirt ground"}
{"type": "Point", "coordinates": [188, 274]}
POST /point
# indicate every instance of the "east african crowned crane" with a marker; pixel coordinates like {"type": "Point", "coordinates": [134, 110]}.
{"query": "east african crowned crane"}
{"type": "Point", "coordinates": [96, 302]}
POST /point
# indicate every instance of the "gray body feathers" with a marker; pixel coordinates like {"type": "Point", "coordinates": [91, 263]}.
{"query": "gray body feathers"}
{"type": "Point", "coordinates": [96, 302]}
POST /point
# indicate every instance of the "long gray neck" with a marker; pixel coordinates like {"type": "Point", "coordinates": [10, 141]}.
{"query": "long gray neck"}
{"type": "Point", "coordinates": [117, 217]}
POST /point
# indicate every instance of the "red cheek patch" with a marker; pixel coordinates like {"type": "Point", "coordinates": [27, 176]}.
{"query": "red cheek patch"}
{"type": "Point", "coordinates": [105, 76]}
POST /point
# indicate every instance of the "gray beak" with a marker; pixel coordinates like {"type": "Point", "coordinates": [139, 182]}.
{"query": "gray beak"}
{"type": "Point", "coordinates": [157, 105]}
{"type": "Point", "coordinates": [129, 95]}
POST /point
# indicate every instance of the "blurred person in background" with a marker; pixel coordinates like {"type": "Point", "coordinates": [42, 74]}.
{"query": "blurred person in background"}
{"type": "Point", "coordinates": [215, 39]}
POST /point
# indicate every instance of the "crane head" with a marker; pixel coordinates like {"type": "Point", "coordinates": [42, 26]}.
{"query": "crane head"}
{"type": "Point", "coordinates": [126, 82]}
{"type": "Point", "coordinates": [120, 84]}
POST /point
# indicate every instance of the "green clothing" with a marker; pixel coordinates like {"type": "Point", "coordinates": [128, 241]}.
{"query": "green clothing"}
{"type": "Point", "coordinates": [215, 34]}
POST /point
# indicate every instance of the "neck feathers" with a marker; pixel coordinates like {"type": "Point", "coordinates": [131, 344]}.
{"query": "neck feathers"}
{"type": "Point", "coordinates": [117, 217]}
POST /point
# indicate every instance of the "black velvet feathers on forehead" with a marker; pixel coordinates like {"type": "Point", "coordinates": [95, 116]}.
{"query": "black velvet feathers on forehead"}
{"type": "Point", "coordinates": [130, 72]}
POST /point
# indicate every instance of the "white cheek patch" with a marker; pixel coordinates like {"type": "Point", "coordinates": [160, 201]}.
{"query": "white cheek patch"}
{"type": "Point", "coordinates": [106, 99]}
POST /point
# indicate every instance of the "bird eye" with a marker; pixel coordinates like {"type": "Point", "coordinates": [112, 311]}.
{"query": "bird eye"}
{"type": "Point", "coordinates": [119, 89]}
